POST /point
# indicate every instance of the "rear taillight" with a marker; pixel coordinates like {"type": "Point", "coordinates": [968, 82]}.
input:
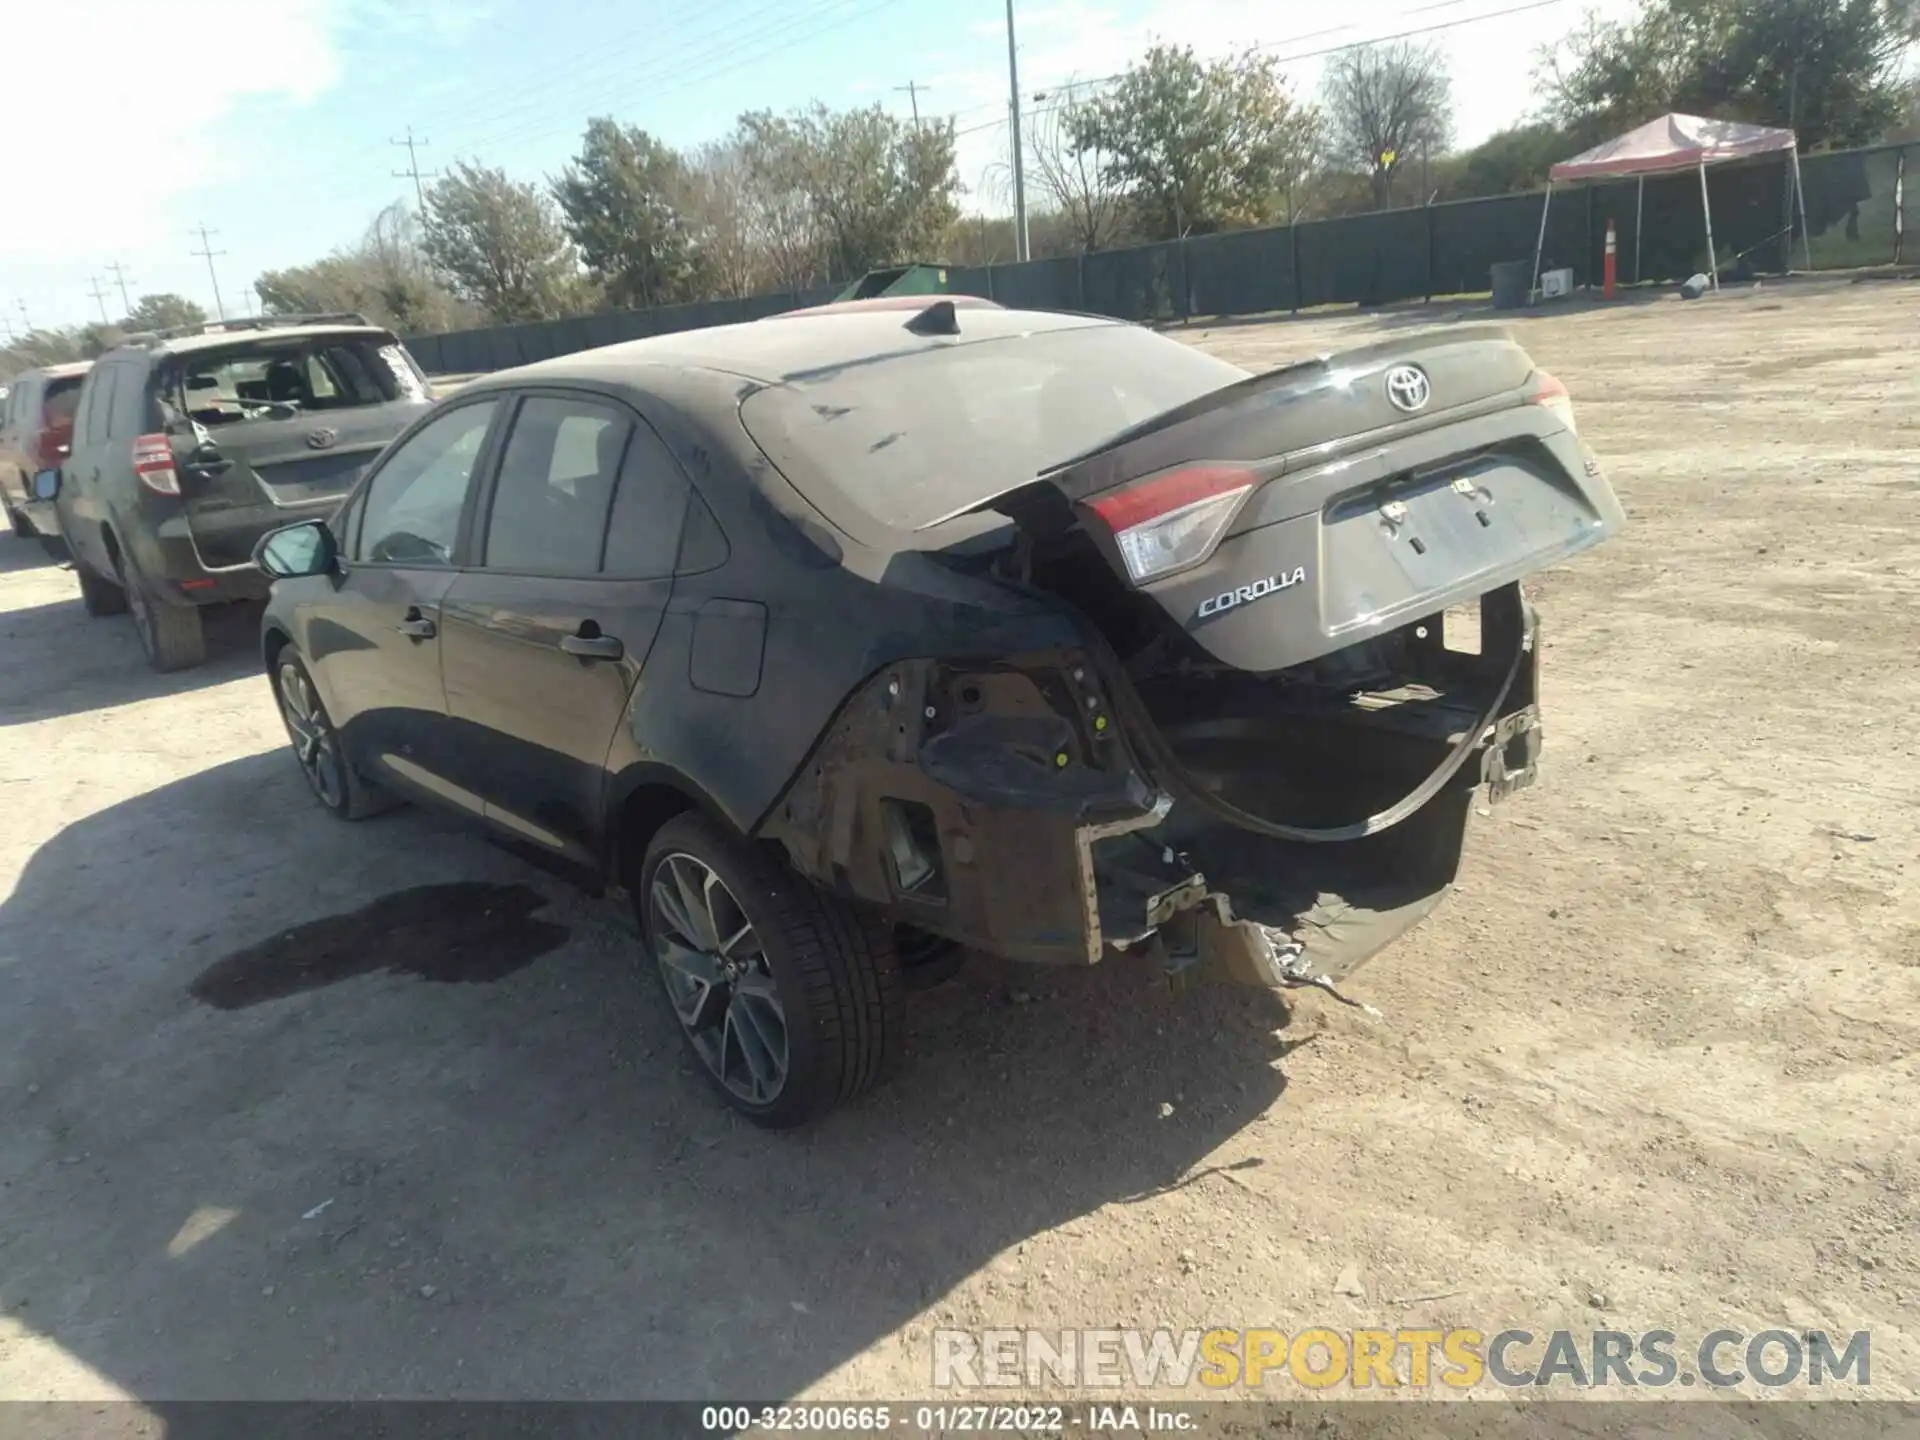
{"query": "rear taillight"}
{"type": "Point", "coordinates": [1550, 394]}
{"type": "Point", "coordinates": [52, 450]}
{"type": "Point", "coordinates": [1170, 521]}
{"type": "Point", "coordinates": [153, 464]}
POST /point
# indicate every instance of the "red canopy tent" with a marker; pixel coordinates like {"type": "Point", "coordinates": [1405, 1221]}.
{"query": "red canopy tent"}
{"type": "Point", "coordinates": [1676, 142]}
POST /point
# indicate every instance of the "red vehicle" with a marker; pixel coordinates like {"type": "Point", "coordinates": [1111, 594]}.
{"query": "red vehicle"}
{"type": "Point", "coordinates": [36, 433]}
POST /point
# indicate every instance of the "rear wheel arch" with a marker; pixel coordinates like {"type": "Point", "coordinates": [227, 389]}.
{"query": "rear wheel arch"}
{"type": "Point", "coordinates": [641, 805]}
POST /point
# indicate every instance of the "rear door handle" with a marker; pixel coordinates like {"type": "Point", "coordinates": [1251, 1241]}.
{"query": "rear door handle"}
{"type": "Point", "coordinates": [593, 647]}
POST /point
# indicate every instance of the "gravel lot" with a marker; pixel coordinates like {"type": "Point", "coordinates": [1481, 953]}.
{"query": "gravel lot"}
{"type": "Point", "coordinates": [1653, 1066]}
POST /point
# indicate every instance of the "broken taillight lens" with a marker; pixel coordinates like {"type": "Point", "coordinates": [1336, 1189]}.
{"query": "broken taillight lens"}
{"type": "Point", "coordinates": [1167, 522]}
{"type": "Point", "coordinates": [153, 464]}
{"type": "Point", "coordinates": [1550, 394]}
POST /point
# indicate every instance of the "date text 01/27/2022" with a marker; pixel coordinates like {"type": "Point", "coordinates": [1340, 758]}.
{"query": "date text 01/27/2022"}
{"type": "Point", "coordinates": [944, 1419]}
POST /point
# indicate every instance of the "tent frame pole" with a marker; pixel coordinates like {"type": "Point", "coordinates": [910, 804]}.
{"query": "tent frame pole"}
{"type": "Point", "coordinates": [1639, 209]}
{"type": "Point", "coordinates": [1800, 199]}
{"type": "Point", "coordinates": [1540, 245]}
{"type": "Point", "coordinates": [1706, 208]}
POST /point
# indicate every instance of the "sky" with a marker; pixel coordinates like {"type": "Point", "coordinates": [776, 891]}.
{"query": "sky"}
{"type": "Point", "coordinates": [276, 131]}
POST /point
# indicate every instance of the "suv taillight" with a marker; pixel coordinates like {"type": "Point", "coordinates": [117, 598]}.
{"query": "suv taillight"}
{"type": "Point", "coordinates": [153, 464]}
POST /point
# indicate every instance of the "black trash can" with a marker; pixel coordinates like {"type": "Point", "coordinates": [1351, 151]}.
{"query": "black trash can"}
{"type": "Point", "coordinates": [1512, 281]}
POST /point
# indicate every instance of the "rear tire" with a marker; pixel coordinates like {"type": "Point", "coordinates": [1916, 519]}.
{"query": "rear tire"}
{"type": "Point", "coordinates": [817, 977]}
{"type": "Point", "coordinates": [172, 635]}
{"type": "Point", "coordinates": [98, 594]}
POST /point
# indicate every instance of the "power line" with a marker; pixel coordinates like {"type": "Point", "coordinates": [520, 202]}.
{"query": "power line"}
{"type": "Point", "coordinates": [119, 273]}
{"type": "Point", "coordinates": [1306, 54]}
{"type": "Point", "coordinates": [207, 251]}
{"type": "Point", "coordinates": [780, 36]}
{"type": "Point", "coordinates": [413, 168]}
{"type": "Point", "coordinates": [99, 298]}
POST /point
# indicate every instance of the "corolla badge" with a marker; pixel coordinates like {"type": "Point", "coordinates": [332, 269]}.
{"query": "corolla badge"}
{"type": "Point", "coordinates": [1246, 594]}
{"type": "Point", "coordinates": [1408, 388]}
{"type": "Point", "coordinates": [322, 439]}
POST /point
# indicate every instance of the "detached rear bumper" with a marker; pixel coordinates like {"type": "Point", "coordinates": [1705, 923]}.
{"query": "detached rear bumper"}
{"type": "Point", "coordinates": [1005, 809]}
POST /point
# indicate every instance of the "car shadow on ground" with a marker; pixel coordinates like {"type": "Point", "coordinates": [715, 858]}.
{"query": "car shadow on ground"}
{"type": "Point", "coordinates": [17, 554]}
{"type": "Point", "coordinates": [82, 663]}
{"type": "Point", "coordinates": [255, 1151]}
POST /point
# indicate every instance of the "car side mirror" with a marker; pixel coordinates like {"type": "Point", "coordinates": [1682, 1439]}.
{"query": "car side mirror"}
{"type": "Point", "coordinates": [296, 550]}
{"type": "Point", "coordinates": [46, 484]}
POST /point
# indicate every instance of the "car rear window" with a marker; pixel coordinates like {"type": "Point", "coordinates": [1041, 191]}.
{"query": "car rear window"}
{"type": "Point", "coordinates": [63, 397]}
{"type": "Point", "coordinates": [911, 439]}
{"type": "Point", "coordinates": [279, 379]}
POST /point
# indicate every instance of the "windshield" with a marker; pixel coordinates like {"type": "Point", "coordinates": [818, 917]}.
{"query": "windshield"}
{"type": "Point", "coordinates": [912, 439]}
{"type": "Point", "coordinates": [277, 380]}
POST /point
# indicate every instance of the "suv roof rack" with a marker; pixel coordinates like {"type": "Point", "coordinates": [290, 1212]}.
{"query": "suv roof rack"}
{"type": "Point", "coordinates": [148, 338]}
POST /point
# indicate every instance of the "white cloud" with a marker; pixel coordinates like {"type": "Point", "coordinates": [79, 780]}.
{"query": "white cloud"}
{"type": "Point", "coordinates": [133, 99]}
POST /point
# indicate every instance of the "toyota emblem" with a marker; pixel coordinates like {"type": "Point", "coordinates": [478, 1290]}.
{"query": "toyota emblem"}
{"type": "Point", "coordinates": [1408, 388]}
{"type": "Point", "coordinates": [323, 439]}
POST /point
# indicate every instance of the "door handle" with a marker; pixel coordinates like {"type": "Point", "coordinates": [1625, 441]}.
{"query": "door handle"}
{"type": "Point", "coordinates": [416, 626]}
{"type": "Point", "coordinates": [593, 647]}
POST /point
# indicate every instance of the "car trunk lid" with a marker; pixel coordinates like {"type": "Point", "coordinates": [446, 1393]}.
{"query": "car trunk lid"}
{"type": "Point", "coordinates": [1285, 517]}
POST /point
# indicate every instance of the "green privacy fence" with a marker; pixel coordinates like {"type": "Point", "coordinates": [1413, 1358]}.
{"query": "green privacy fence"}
{"type": "Point", "coordinates": [1853, 214]}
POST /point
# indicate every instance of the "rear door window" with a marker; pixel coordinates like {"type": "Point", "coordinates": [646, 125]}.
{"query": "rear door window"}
{"type": "Point", "coordinates": [128, 417]}
{"type": "Point", "coordinates": [549, 510]}
{"type": "Point", "coordinates": [411, 513]}
{"type": "Point", "coordinates": [649, 508]}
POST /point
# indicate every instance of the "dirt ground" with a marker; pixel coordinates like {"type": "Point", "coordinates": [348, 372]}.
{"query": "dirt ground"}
{"type": "Point", "coordinates": [1654, 1066]}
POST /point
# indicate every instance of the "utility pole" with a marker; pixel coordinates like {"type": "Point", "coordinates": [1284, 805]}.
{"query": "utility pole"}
{"type": "Point", "coordinates": [912, 87]}
{"type": "Point", "coordinates": [99, 298]}
{"type": "Point", "coordinates": [412, 172]}
{"type": "Point", "coordinates": [207, 252]}
{"type": "Point", "coordinates": [1020, 247]}
{"type": "Point", "coordinates": [119, 273]}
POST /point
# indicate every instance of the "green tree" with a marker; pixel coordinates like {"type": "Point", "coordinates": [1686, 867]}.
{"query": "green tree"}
{"type": "Point", "coordinates": [1200, 146]}
{"type": "Point", "coordinates": [500, 244]}
{"type": "Point", "coordinates": [1389, 109]}
{"type": "Point", "coordinates": [1828, 69]}
{"type": "Point", "coordinates": [623, 198]}
{"type": "Point", "coordinates": [384, 276]}
{"type": "Point", "coordinates": [165, 311]}
{"type": "Point", "coordinates": [866, 188]}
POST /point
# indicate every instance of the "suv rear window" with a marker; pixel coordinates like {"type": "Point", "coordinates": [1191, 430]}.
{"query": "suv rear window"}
{"type": "Point", "coordinates": [279, 379]}
{"type": "Point", "coordinates": [910, 439]}
{"type": "Point", "coordinates": [63, 397]}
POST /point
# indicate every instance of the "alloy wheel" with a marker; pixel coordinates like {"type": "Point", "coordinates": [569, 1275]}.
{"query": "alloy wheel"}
{"type": "Point", "coordinates": [717, 978]}
{"type": "Point", "coordinates": [314, 743]}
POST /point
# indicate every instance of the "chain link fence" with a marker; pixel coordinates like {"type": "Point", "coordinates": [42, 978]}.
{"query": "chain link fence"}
{"type": "Point", "coordinates": [1854, 216]}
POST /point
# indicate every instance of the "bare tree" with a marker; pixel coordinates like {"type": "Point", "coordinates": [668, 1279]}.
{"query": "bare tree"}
{"type": "Point", "coordinates": [722, 207]}
{"type": "Point", "coordinates": [1074, 180]}
{"type": "Point", "coordinates": [1386, 106]}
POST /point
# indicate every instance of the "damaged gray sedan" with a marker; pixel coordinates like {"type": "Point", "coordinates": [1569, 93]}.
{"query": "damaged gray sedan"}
{"type": "Point", "coordinates": [845, 642]}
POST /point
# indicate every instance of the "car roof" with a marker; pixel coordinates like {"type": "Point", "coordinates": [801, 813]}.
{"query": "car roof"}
{"type": "Point", "coordinates": [782, 347]}
{"type": "Point", "coordinates": [243, 334]}
{"type": "Point", "coordinates": [56, 372]}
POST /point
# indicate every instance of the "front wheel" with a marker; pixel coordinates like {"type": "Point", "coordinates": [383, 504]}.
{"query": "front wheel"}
{"type": "Point", "coordinates": [18, 523]}
{"type": "Point", "coordinates": [789, 998]}
{"type": "Point", "coordinates": [316, 745]}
